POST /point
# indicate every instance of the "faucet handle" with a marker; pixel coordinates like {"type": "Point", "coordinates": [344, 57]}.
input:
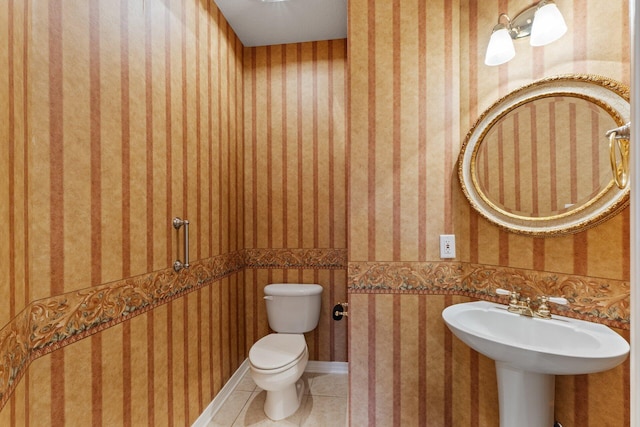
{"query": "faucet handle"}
{"type": "Point", "coordinates": [514, 298]}
{"type": "Point", "coordinates": [513, 294]}
{"type": "Point", "coordinates": [558, 300]}
{"type": "Point", "coordinates": [543, 309]}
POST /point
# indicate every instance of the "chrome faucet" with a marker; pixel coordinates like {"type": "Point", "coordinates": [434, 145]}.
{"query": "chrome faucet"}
{"type": "Point", "coordinates": [522, 306]}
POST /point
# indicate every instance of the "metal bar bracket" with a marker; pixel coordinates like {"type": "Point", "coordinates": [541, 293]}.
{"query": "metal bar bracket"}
{"type": "Point", "coordinates": [619, 149]}
{"type": "Point", "coordinates": [177, 223]}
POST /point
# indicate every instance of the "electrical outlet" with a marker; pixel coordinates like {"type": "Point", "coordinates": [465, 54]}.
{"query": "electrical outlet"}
{"type": "Point", "coordinates": [447, 246]}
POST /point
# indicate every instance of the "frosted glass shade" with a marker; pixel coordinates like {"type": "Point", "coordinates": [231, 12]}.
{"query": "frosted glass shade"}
{"type": "Point", "coordinates": [500, 49]}
{"type": "Point", "coordinates": [548, 25]}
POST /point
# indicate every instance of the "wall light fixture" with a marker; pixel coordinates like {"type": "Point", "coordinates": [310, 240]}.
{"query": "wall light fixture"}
{"type": "Point", "coordinates": [542, 21]}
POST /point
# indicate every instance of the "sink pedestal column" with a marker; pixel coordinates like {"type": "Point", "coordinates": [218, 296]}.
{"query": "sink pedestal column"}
{"type": "Point", "coordinates": [526, 398]}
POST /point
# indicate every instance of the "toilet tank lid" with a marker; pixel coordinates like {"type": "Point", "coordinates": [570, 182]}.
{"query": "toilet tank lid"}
{"type": "Point", "coordinates": [292, 289]}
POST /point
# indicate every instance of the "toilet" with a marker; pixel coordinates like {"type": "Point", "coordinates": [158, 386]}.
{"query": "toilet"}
{"type": "Point", "coordinates": [277, 361]}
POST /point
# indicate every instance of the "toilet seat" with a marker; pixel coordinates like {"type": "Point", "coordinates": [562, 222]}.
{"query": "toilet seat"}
{"type": "Point", "coordinates": [277, 352]}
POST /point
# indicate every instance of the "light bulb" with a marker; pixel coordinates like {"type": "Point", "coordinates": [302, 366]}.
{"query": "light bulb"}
{"type": "Point", "coordinates": [548, 25]}
{"type": "Point", "coordinates": [500, 48]}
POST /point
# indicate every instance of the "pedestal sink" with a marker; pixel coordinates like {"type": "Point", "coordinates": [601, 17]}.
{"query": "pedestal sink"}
{"type": "Point", "coordinates": [529, 352]}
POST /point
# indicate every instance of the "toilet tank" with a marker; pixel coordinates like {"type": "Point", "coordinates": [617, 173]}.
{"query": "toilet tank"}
{"type": "Point", "coordinates": [293, 308]}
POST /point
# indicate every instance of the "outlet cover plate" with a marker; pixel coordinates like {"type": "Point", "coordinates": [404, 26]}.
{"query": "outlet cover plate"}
{"type": "Point", "coordinates": [447, 246]}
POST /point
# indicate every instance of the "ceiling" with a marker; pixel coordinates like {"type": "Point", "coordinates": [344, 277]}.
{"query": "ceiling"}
{"type": "Point", "coordinates": [268, 22]}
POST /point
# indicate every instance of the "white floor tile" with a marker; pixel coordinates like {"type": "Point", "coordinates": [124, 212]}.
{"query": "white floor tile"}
{"type": "Point", "coordinates": [246, 384]}
{"type": "Point", "coordinates": [231, 409]}
{"type": "Point", "coordinates": [324, 411]}
{"type": "Point", "coordinates": [335, 385]}
{"type": "Point", "coordinates": [324, 404]}
{"type": "Point", "coordinates": [253, 414]}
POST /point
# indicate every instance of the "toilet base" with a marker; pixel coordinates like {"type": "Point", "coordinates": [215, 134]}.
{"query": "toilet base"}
{"type": "Point", "coordinates": [282, 403]}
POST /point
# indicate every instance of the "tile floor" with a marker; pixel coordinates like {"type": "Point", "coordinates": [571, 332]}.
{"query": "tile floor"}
{"type": "Point", "coordinates": [324, 404]}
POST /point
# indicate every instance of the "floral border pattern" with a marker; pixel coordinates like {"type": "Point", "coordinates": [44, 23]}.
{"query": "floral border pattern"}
{"type": "Point", "coordinates": [52, 323]}
{"type": "Point", "coordinates": [323, 259]}
{"type": "Point", "coordinates": [597, 300]}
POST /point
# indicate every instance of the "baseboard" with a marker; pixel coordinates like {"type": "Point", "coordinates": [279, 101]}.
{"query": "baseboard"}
{"type": "Point", "coordinates": [318, 367]}
{"type": "Point", "coordinates": [313, 366]}
{"type": "Point", "coordinates": [210, 411]}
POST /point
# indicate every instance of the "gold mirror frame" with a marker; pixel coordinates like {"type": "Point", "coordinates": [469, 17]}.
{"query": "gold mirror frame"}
{"type": "Point", "coordinates": [610, 95]}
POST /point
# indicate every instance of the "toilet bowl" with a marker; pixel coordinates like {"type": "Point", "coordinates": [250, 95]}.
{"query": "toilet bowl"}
{"type": "Point", "coordinates": [278, 360]}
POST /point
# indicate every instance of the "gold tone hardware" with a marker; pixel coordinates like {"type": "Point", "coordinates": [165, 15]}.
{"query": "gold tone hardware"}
{"type": "Point", "coordinates": [341, 313]}
{"type": "Point", "coordinates": [620, 170]}
{"type": "Point", "coordinates": [515, 304]}
{"type": "Point", "coordinates": [514, 301]}
{"type": "Point", "coordinates": [522, 306]}
{"type": "Point", "coordinates": [340, 310]}
{"type": "Point", "coordinates": [619, 138]}
{"type": "Point", "coordinates": [543, 311]}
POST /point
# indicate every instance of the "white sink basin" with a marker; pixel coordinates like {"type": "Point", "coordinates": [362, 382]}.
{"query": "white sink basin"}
{"type": "Point", "coordinates": [529, 352]}
{"type": "Point", "coordinates": [559, 346]}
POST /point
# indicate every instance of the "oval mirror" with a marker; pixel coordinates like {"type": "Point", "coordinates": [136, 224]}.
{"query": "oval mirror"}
{"type": "Point", "coordinates": [537, 161]}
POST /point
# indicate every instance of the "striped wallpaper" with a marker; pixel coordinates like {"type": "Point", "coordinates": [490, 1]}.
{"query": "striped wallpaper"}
{"type": "Point", "coordinates": [295, 133]}
{"type": "Point", "coordinates": [124, 113]}
{"type": "Point", "coordinates": [403, 127]}
{"type": "Point", "coordinates": [295, 177]}
{"type": "Point", "coordinates": [129, 113]}
{"type": "Point", "coordinates": [131, 130]}
{"type": "Point", "coordinates": [14, 160]}
{"type": "Point", "coordinates": [417, 84]}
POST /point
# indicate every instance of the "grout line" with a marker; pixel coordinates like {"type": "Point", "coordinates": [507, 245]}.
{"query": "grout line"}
{"type": "Point", "coordinates": [249, 399]}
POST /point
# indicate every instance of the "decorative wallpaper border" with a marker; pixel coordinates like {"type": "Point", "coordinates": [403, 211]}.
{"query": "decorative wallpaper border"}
{"type": "Point", "coordinates": [51, 323]}
{"type": "Point", "coordinates": [323, 259]}
{"type": "Point", "coordinates": [597, 300]}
